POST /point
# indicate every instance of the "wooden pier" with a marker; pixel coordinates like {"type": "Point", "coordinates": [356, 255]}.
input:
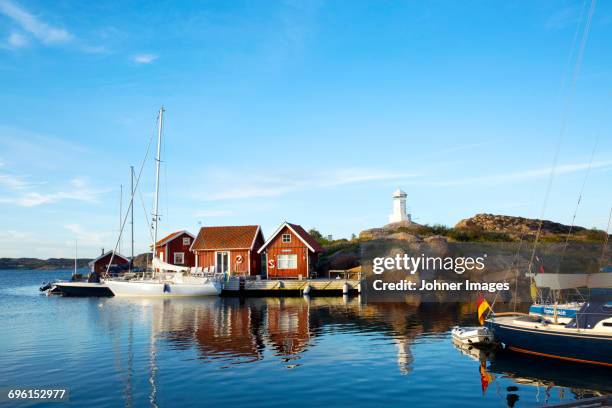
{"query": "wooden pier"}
{"type": "Point", "coordinates": [290, 287]}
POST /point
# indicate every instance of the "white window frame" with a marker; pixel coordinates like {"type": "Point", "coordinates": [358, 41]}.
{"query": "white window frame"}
{"type": "Point", "coordinates": [218, 268]}
{"type": "Point", "coordinates": [286, 261]}
{"type": "Point", "coordinates": [286, 238]}
{"type": "Point", "coordinates": [186, 241]}
{"type": "Point", "coordinates": [182, 255]}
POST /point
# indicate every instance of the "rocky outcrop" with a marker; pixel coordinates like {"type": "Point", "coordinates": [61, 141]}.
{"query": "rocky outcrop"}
{"type": "Point", "coordinates": [394, 227]}
{"type": "Point", "coordinates": [514, 225]}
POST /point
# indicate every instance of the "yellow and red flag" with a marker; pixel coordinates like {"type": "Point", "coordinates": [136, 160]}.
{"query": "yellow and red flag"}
{"type": "Point", "coordinates": [482, 307]}
{"type": "Point", "coordinates": [485, 378]}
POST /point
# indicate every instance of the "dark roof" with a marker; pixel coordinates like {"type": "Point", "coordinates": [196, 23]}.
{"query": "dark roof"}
{"type": "Point", "coordinates": [300, 232]}
{"type": "Point", "coordinates": [306, 237]}
{"type": "Point", "coordinates": [226, 237]}
{"type": "Point", "coordinates": [172, 236]}
{"type": "Point", "coordinates": [117, 255]}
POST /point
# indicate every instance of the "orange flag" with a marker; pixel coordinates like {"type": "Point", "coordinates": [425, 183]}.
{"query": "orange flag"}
{"type": "Point", "coordinates": [482, 306]}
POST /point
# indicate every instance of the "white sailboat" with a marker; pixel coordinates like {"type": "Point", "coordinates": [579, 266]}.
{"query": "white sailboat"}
{"type": "Point", "coordinates": [172, 280]}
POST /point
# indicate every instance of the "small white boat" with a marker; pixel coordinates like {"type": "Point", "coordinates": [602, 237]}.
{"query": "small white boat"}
{"type": "Point", "coordinates": [475, 336]}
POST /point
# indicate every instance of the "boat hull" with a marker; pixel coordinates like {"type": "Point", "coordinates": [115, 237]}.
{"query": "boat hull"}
{"type": "Point", "coordinates": [153, 289]}
{"type": "Point", "coordinates": [83, 289]}
{"type": "Point", "coordinates": [578, 347]}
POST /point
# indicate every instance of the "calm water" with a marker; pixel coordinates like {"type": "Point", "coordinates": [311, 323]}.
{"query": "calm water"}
{"type": "Point", "coordinates": [261, 352]}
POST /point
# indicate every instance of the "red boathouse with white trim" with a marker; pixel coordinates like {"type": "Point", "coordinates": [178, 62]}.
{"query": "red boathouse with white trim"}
{"type": "Point", "coordinates": [175, 249]}
{"type": "Point", "coordinates": [100, 264]}
{"type": "Point", "coordinates": [229, 249]}
{"type": "Point", "coordinates": [291, 252]}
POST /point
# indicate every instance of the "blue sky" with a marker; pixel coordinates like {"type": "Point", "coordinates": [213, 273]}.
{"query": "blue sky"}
{"type": "Point", "coordinates": [306, 111]}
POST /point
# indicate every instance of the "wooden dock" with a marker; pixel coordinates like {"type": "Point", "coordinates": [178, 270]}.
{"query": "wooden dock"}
{"type": "Point", "coordinates": [290, 287]}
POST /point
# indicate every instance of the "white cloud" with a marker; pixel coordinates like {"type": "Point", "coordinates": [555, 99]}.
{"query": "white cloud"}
{"type": "Point", "coordinates": [12, 181]}
{"type": "Point", "coordinates": [253, 185]}
{"type": "Point", "coordinates": [31, 24]}
{"type": "Point", "coordinates": [78, 190]}
{"type": "Point", "coordinates": [144, 58]}
{"type": "Point", "coordinates": [17, 40]}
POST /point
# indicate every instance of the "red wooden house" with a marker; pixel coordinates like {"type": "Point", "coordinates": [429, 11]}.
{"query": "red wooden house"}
{"type": "Point", "coordinates": [175, 249]}
{"type": "Point", "coordinates": [230, 249]}
{"type": "Point", "coordinates": [291, 252]}
{"type": "Point", "coordinates": [100, 264]}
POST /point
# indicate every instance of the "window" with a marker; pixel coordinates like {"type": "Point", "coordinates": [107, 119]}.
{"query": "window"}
{"type": "Point", "coordinates": [179, 258]}
{"type": "Point", "coordinates": [286, 261]}
{"type": "Point", "coordinates": [186, 241]}
{"type": "Point", "coordinates": [286, 238]}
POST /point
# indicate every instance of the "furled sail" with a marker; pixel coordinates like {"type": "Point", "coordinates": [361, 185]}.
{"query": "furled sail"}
{"type": "Point", "coordinates": [559, 281]}
{"type": "Point", "coordinates": [159, 264]}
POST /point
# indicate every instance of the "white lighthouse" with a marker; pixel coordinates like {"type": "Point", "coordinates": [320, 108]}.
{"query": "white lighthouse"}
{"type": "Point", "coordinates": [399, 207]}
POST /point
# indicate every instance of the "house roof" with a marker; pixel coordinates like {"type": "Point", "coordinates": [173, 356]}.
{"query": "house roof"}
{"type": "Point", "coordinates": [226, 237]}
{"type": "Point", "coordinates": [300, 232]}
{"type": "Point", "coordinates": [117, 255]}
{"type": "Point", "coordinates": [172, 237]}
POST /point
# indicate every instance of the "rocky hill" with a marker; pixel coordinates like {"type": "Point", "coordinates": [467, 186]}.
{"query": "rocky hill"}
{"type": "Point", "coordinates": [515, 225]}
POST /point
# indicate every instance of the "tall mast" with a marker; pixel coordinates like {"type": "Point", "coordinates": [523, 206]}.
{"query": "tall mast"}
{"type": "Point", "coordinates": [120, 213]}
{"type": "Point", "coordinates": [75, 256]}
{"type": "Point", "coordinates": [157, 165]}
{"type": "Point", "coordinates": [132, 214]}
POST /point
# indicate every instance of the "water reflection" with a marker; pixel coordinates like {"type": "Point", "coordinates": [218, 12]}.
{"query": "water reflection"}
{"type": "Point", "coordinates": [227, 332]}
{"type": "Point", "coordinates": [242, 330]}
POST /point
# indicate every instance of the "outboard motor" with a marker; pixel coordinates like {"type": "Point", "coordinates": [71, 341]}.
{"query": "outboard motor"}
{"type": "Point", "coordinates": [46, 286]}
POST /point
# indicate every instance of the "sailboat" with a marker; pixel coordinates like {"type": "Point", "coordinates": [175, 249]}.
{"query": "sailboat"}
{"type": "Point", "coordinates": [587, 338]}
{"type": "Point", "coordinates": [171, 280]}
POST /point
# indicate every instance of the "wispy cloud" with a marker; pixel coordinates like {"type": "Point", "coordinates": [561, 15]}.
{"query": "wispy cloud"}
{"type": "Point", "coordinates": [517, 176]}
{"type": "Point", "coordinates": [12, 181]}
{"type": "Point", "coordinates": [78, 190]}
{"type": "Point", "coordinates": [17, 40]}
{"type": "Point", "coordinates": [144, 58]}
{"type": "Point", "coordinates": [562, 18]}
{"type": "Point", "coordinates": [31, 24]}
{"type": "Point", "coordinates": [257, 185]}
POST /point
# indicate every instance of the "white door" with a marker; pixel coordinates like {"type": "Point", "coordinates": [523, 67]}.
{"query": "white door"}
{"type": "Point", "coordinates": [222, 262]}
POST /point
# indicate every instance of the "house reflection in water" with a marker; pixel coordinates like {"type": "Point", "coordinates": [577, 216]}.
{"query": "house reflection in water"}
{"type": "Point", "coordinates": [289, 328]}
{"type": "Point", "coordinates": [241, 330]}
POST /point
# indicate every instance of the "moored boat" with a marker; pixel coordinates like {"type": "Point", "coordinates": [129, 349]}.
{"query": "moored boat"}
{"type": "Point", "coordinates": [475, 336]}
{"type": "Point", "coordinates": [587, 338]}
{"type": "Point", "coordinates": [188, 286]}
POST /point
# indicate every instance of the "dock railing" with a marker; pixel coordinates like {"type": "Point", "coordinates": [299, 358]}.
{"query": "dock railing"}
{"type": "Point", "coordinates": [344, 274]}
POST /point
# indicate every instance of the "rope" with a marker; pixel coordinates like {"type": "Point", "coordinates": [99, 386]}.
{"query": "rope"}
{"type": "Point", "coordinates": [606, 239]}
{"type": "Point", "coordinates": [562, 131]}
{"type": "Point", "coordinates": [144, 160]}
{"type": "Point", "coordinates": [146, 215]}
{"type": "Point", "coordinates": [569, 232]}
